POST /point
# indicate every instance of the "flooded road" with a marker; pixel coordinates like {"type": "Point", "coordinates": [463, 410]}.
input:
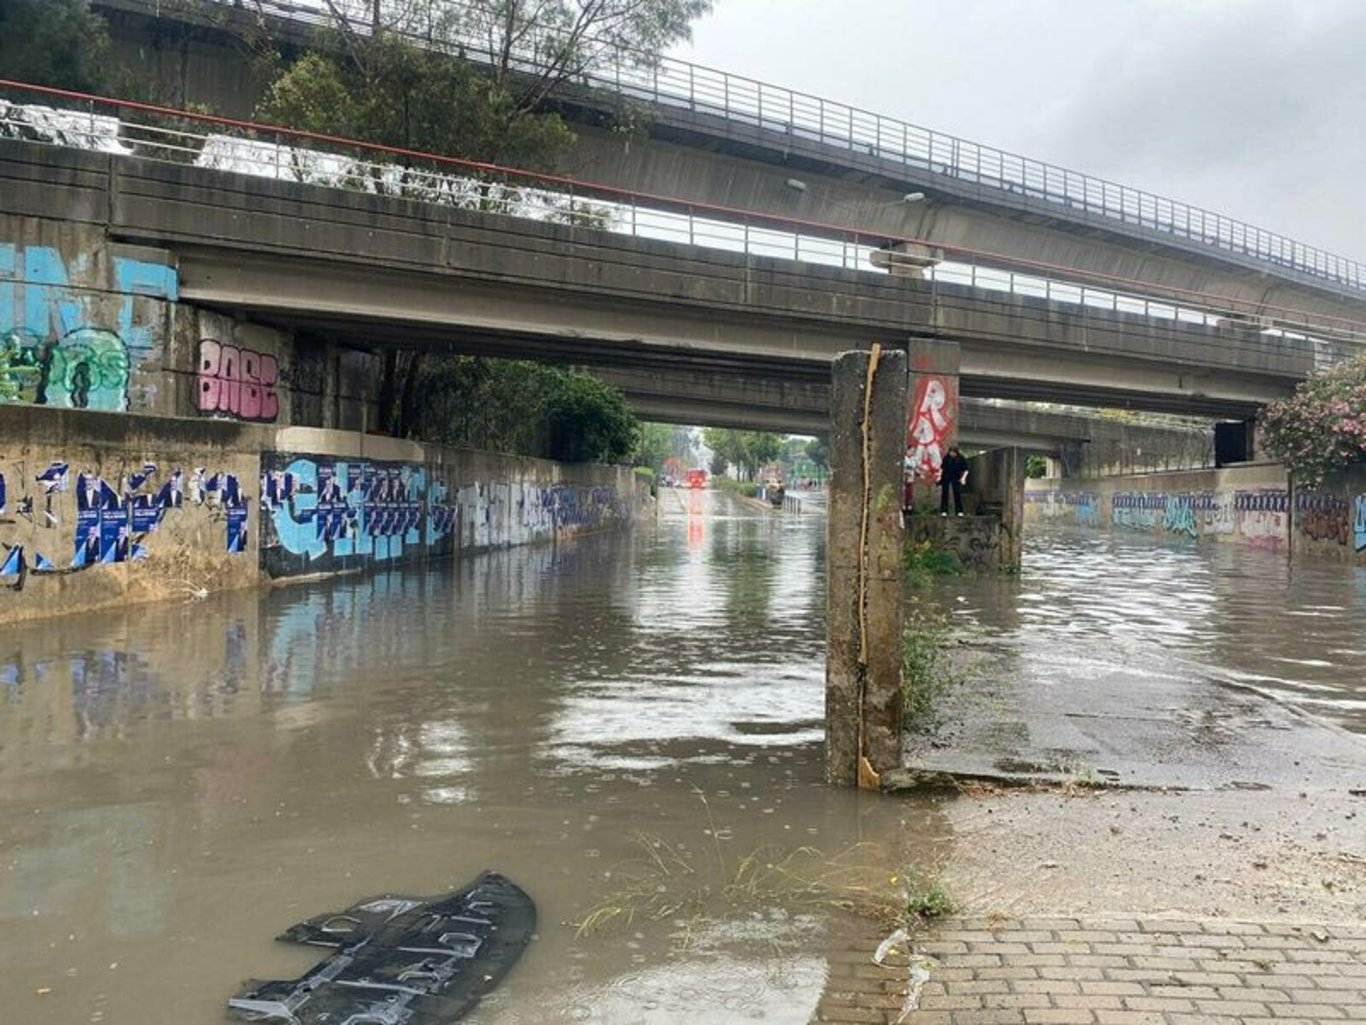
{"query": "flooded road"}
{"type": "Point", "coordinates": [616, 724]}
{"type": "Point", "coordinates": [628, 726]}
{"type": "Point", "coordinates": [1087, 604]}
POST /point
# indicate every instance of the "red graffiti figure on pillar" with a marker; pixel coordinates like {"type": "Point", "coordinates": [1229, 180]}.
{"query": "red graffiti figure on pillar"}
{"type": "Point", "coordinates": [931, 427]}
{"type": "Point", "coordinates": [237, 382]}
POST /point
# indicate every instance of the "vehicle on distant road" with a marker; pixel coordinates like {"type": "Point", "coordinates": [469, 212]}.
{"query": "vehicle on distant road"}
{"type": "Point", "coordinates": [697, 478]}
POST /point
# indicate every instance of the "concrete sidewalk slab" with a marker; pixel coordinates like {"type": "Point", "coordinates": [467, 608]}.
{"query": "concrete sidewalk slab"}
{"type": "Point", "coordinates": [1133, 727]}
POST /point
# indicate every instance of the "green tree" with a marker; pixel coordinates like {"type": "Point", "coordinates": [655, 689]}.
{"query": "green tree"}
{"type": "Point", "coordinates": [725, 448]}
{"type": "Point", "coordinates": [818, 450]}
{"type": "Point", "coordinates": [758, 449]}
{"type": "Point", "coordinates": [56, 43]}
{"type": "Point", "coordinates": [654, 446]}
{"type": "Point", "coordinates": [385, 90]}
{"type": "Point", "coordinates": [747, 450]}
{"type": "Point", "coordinates": [474, 80]}
{"type": "Point", "coordinates": [1321, 428]}
{"type": "Point", "coordinates": [520, 407]}
{"type": "Point", "coordinates": [1036, 467]}
{"type": "Point", "coordinates": [527, 48]}
{"type": "Point", "coordinates": [588, 420]}
{"type": "Point", "coordinates": [660, 443]}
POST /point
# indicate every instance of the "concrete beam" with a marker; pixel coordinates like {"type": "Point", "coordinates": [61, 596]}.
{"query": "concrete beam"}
{"type": "Point", "coordinates": [697, 396]}
{"type": "Point", "coordinates": [704, 159]}
{"type": "Point", "coordinates": [387, 271]}
{"type": "Point", "coordinates": [196, 56]}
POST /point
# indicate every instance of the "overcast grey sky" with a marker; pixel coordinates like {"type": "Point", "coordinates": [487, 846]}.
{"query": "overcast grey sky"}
{"type": "Point", "coordinates": [1251, 108]}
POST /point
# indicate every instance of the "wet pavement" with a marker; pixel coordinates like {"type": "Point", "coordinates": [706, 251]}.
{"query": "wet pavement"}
{"type": "Point", "coordinates": [630, 728]}
{"type": "Point", "coordinates": [1119, 661]}
{"type": "Point", "coordinates": [1138, 971]}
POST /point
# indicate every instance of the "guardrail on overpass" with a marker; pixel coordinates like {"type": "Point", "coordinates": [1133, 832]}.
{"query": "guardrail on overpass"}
{"type": "Point", "coordinates": [180, 137]}
{"type": "Point", "coordinates": [669, 82]}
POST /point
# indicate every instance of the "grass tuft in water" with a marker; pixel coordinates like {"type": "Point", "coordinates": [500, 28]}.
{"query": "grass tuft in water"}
{"type": "Point", "coordinates": [926, 895]}
{"type": "Point", "coordinates": [664, 882]}
{"type": "Point", "coordinates": [925, 671]}
{"type": "Point", "coordinates": [921, 563]}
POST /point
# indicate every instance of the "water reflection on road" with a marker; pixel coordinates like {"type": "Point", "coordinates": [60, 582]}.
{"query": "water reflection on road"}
{"type": "Point", "coordinates": [180, 782]}
{"type": "Point", "coordinates": [1088, 603]}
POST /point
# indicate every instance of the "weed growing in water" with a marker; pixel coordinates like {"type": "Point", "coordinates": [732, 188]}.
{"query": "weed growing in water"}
{"type": "Point", "coordinates": [925, 670]}
{"type": "Point", "coordinates": [921, 563]}
{"type": "Point", "coordinates": [926, 895]}
{"type": "Point", "coordinates": [692, 889]}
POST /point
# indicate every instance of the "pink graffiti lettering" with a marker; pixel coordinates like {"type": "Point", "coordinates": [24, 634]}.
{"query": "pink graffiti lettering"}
{"type": "Point", "coordinates": [927, 438]}
{"type": "Point", "coordinates": [237, 382]}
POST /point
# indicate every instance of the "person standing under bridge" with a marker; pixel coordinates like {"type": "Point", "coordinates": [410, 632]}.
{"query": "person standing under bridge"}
{"type": "Point", "coordinates": [953, 474]}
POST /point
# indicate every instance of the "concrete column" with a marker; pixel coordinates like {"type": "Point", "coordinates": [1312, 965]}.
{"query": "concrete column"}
{"type": "Point", "coordinates": [932, 423]}
{"type": "Point", "coordinates": [1070, 459]}
{"type": "Point", "coordinates": [864, 600]}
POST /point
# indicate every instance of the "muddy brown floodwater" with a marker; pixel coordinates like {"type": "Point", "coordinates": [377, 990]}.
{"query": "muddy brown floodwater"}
{"type": "Point", "coordinates": [1088, 604]}
{"type": "Point", "coordinates": [628, 727]}
{"type": "Point", "coordinates": [615, 724]}
{"type": "Point", "coordinates": [1107, 625]}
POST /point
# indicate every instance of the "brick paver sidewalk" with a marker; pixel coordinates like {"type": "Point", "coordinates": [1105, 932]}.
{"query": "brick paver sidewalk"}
{"type": "Point", "coordinates": [1064, 971]}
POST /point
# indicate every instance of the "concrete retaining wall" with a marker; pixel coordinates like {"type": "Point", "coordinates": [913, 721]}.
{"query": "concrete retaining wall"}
{"type": "Point", "coordinates": [102, 508]}
{"type": "Point", "coordinates": [1247, 505]}
{"type": "Point", "coordinates": [1250, 505]}
{"type": "Point", "coordinates": [1330, 522]}
{"type": "Point", "coordinates": [996, 487]}
{"type": "Point", "coordinates": [977, 542]}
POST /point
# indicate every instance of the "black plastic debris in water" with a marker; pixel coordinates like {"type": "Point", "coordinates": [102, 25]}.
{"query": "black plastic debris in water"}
{"type": "Point", "coordinates": [401, 960]}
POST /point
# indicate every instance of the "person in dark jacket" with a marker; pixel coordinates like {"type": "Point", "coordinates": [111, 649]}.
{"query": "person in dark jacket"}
{"type": "Point", "coordinates": [953, 474]}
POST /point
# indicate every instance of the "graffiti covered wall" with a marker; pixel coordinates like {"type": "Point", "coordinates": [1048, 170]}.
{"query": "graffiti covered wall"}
{"type": "Point", "coordinates": [975, 541]}
{"type": "Point", "coordinates": [104, 515]}
{"type": "Point", "coordinates": [1076, 508]}
{"type": "Point", "coordinates": [83, 324]}
{"type": "Point", "coordinates": [100, 509]}
{"type": "Point", "coordinates": [323, 514]}
{"type": "Point", "coordinates": [1330, 521]}
{"type": "Point", "coordinates": [237, 382]}
{"type": "Point", "coordinates": [1245, 506]}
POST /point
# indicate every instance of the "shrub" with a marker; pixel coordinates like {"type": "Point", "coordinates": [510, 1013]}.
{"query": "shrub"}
{"type": "Point", "coordinates": [1322, 427]}
{"type": "Point", "coordinates": [922, 562]}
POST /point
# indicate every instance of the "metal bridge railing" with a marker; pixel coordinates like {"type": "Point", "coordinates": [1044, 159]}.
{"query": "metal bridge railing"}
{"type": "Point", "coordinates": [669, 82]}
{"type": "Point", "coordinates": [170, 136]}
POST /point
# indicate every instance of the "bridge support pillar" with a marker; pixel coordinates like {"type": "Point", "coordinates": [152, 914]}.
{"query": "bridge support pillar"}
{"type": "Point", "coordinates": [1070, 459]}
{"type": "Point", "coordinates": [864, 598]}
{"type": "Point", "coordinates": [932, 426]}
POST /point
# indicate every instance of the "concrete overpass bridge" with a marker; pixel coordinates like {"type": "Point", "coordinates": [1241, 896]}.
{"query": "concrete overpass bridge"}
{"type": "Point", "coordinates": [711, 399]}
{"type": "Point", "coordinates": [380, 271]}
{"type": "Point", "coordinates": [731, 142]}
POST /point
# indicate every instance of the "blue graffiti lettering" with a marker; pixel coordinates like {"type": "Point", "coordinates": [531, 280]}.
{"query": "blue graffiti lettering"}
{"type": "Point", "coordinates": [59, 345]}
{"type": "Point", "coordinates": [1178, 516]}
{"type": "Point", "coordinates": [355, 509]}
{"type": "Point", "coordinates": [135, 278]}
{"type": "Point", "coordinates": [294, 519]}
{"type": "Point", "coordinates": [7, 288]}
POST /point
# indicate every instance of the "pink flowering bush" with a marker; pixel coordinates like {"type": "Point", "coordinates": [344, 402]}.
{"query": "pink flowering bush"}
{"type": "Point", "coordinates": [1322, 427]}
